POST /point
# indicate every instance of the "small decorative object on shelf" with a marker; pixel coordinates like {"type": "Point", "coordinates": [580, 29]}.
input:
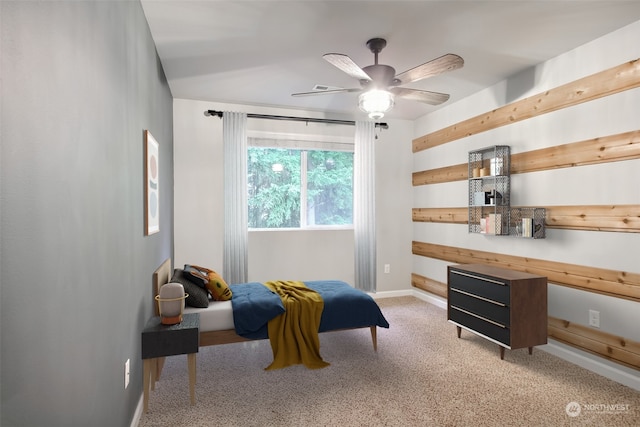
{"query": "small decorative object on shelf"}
{"type": "Point", "coordinates": [171, 303]}
{"type": "Point", "coordinates": [528, 222]}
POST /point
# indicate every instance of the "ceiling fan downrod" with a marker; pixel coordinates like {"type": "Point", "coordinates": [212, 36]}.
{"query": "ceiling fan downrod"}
{"type": "Point", "coordinates": [375, 46]}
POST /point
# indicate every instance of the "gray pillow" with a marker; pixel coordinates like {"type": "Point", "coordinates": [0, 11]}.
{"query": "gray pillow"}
{"type": "Point", "coordinates": [198, 297]}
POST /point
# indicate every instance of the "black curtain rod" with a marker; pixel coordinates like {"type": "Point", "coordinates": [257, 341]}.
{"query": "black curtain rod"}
{"type": "Point", "coordinates": [209, 113]}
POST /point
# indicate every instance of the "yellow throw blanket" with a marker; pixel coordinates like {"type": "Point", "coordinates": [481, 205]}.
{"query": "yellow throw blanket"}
{"type": "Point", "coordinates": [294, 334]}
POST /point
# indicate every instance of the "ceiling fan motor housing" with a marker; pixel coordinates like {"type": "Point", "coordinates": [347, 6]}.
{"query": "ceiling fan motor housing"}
{"type": "Point", "coordinates": [381, 75]}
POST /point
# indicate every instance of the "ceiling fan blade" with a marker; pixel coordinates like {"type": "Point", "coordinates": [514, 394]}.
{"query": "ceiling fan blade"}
{"type": "Point", "coordinates": [431, 98]}
{"type": "Point", "coordinates": [448, 62]}
{"type": "Point", "coordinates": [346, 64]}
{"type": "Point", "coordinates": [324, 92]}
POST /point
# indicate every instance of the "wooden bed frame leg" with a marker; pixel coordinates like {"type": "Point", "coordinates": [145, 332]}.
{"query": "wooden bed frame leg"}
{"type": "Point", "coordinates": [374, 337]}
{"type": "Point", "coordinates": [153, 368]}
{"type": "Point", "coordinates": [191, 361]}
{"type": "Point", "coordinates": [159, 366]}
{"type": "Point", "coordinates": [147, 372]}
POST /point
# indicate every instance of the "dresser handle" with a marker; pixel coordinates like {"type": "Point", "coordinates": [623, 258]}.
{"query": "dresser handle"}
{"type": "Point", "coordinates": [479, 297]}
{"type": "Point", "coordinates": [479, 317]}
{"type": "Point", "coordinates": [479, 278]}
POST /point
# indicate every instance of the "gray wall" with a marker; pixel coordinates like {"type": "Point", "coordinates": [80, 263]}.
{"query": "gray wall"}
{"type": "Point", "coordinates": [81, 81]}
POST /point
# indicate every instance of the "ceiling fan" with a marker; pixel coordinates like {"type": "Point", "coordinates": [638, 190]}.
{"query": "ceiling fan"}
{"type": "Point", "coordinates": [379, 83]}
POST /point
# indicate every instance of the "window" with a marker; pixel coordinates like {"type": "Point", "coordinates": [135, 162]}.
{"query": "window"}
{"type": "Point", "coordinates": [299, 188]}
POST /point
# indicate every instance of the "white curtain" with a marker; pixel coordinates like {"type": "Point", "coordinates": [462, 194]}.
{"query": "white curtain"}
{"type": "Point", "coordinates": [364, 204]}
{"type": "Point", "coordinates": [235, 252]}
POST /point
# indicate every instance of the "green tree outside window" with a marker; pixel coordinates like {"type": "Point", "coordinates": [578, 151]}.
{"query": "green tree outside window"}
{"type": "Point", "coordinates": [291, 188]}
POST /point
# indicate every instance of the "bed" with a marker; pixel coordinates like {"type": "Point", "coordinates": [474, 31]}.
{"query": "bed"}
{"type": "Point", "coordinates": [344, 308]}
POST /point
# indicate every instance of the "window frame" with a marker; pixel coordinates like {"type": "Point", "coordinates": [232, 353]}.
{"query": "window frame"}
{"type": "Point", "coordinates": [304, 146]}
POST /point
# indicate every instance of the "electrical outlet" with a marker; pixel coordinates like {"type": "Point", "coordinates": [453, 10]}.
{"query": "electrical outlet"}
{"type": "Point", "coordinates": [126, 374]}
{"type": "Point", "coordinates": [594, 318]}
{"type": "Point", "coordinates": [387, 268]}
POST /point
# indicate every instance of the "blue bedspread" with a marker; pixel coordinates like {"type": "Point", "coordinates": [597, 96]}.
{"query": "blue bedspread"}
{"type": "Point", "coordinates": [344, 307]}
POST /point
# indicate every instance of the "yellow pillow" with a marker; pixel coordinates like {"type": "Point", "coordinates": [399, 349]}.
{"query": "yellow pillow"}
{"type": "Point", "coordinates": [217, 287]}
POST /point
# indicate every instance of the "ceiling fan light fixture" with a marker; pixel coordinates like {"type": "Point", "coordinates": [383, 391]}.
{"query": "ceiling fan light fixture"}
{"type": "Point", "coordinates": [376, 102]}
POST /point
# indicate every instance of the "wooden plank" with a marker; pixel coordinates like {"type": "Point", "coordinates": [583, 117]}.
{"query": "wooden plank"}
{"type": "Point", "coordinates": [596, 335]}
{"type": "Point", "coordinates": [429, 285]}
{"type": "Point", "coordinates": [613, 218]}
{"type": "Point", "coordinates": [613, 80]}
{"type": "Point", "coordinates": [161, 276]}
{"type": "Point", "coordinates": [531, 265]}
{"type": "Point", "coordinates": [620, 284]}
{"type": "Point", "coordinates": [437, 176]}
{"type": "Point", "coordinates": [620, 218]}
{"type": "Point", "coordinates": [444, 215]}
{"type": "Point", "coordinates": [609, 346]}
{"type": "Point", "coordinates": [611, 148]}
{"type": "Point", "coordinates": [227, 336]}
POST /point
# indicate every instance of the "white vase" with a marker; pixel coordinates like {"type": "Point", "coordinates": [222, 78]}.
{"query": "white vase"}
{"type": "Point", "coordinates": [171, 303]}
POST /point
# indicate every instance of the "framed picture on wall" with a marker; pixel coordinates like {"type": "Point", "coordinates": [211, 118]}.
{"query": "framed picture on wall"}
{"type": "Point", "coordinates": [151, 186]}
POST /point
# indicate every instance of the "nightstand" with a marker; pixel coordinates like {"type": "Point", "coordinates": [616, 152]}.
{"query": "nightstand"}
{"type": "Point", "coordinates": [159, 341]}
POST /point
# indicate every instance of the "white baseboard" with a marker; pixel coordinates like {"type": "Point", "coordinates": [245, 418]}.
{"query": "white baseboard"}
{"type": "Point", "coordinates": [392, 294]}
{"type": "Point", "coordinates": [619, 374]}
{"type": "Point", "coordinates": [431, 298]}
{"type": "Point", "coordinates": [138, 413]}
{"type": "Point", "coordinates": [425, 296]}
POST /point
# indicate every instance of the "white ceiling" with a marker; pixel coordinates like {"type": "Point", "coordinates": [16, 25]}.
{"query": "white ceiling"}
{"type": "Point", "coordinates": [260, 52]}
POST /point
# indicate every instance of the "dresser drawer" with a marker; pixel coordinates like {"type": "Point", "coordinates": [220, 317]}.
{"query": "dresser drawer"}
{"type": "Point", "coordinates": [480, 325]}
{"type": "Point", "coordinates": [484, 307]}
{"type": "Point", "coordinates": [474, 284]}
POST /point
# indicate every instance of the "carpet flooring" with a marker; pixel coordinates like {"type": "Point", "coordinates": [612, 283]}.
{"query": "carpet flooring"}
{"type": "Point", "coordinates": [421, 375]}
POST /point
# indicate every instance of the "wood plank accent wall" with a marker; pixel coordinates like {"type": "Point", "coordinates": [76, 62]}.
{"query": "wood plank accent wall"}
{"type": "Point", "coordinates": [617, 79]}
{"type": "Point", "coordinates": [452, 173]}
{"type": "Point", "coordinates": [617, 218]}
{"type": "Point", "coordinates": [618, 147]}
{"type": "Point", "coordinates": [611, 148]}
{"type": "Point", "coordinates": [429, 285]}
{"type": "Point", "coordinates": [609, 346]}
{"type": "Point", "coordinates": [442, 215]}
{"type": "Point", "coordinates": [622, 218]}
{"type": "Point", "coordinates": [620, 284]}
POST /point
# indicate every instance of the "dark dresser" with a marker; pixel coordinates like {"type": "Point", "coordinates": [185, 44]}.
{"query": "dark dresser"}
{"type": "Point", "coordinates": [504, 306]}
